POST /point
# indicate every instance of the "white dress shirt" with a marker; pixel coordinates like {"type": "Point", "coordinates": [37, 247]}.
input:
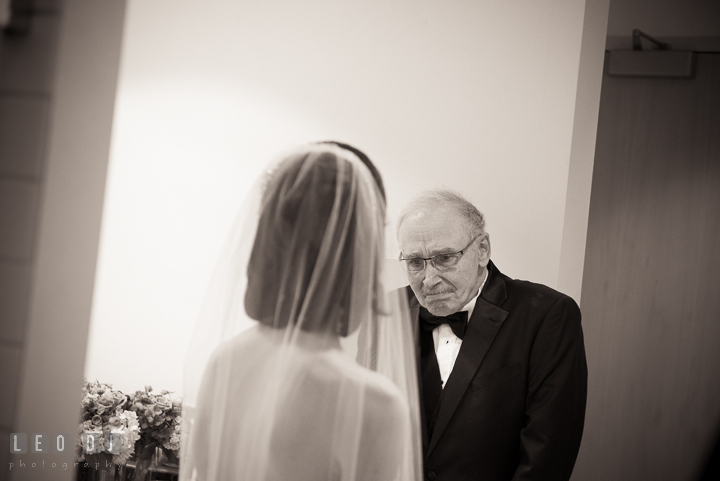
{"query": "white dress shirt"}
{"type": "Point", "coordinates": [447, 344]}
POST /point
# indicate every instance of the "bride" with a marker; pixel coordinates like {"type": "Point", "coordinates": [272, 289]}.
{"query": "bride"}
{"type": "Point", "coordinates": [273, 391]}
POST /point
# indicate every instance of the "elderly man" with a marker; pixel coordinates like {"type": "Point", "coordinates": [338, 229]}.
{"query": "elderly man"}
{"type": "Point", "coordinates": [501, 361]}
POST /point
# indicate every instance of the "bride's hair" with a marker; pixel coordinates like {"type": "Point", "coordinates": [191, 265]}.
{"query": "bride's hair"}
{"type": "Point", "coordinates": [365, 160]}
{"type": "Point", "coordinates": [302, 261]}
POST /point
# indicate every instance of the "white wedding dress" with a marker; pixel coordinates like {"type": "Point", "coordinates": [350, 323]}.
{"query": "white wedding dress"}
{"type": "Point", "coordinates": [270, 393]}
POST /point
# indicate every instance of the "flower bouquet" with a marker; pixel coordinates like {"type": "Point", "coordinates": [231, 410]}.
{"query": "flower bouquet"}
{"type": "Point", "coordinates": [108, 432]}
{"type": "Point", "coordinates": [160, 420]}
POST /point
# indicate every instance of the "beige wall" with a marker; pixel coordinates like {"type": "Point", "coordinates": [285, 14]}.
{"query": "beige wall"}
{"type": "Point", "coordinates": [57, 88]}
{"type": "Point", "coordinates": [490, 98]}
{"type": "Point", "coordinates": [582, 154]}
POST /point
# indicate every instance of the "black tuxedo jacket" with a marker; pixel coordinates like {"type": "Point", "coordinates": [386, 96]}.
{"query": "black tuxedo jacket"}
{"type": "Point", "coordinates": [513, 407]}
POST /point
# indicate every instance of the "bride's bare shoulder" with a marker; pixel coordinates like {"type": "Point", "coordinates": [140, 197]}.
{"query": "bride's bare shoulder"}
{"type": "Point", "coordinates": [250, 345]}
{"type": "Point", "coordinates": [378, 390]}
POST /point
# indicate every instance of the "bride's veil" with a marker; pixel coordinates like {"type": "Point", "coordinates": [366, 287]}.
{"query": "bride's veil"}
{"type": "Point", "coordinates": [272, 387]}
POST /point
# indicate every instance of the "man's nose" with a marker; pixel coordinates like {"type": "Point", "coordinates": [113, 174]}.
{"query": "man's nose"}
{"type": "Point", "coordinates": [432, 275]}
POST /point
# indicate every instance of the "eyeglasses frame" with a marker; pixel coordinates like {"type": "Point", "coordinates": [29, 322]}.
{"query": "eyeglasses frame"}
{"type": "Point", "coordinates": [461, 252]}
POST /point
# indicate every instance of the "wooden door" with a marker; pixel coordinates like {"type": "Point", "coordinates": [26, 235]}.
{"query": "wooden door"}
{"type": "Point", "coordinates": [651, 288]}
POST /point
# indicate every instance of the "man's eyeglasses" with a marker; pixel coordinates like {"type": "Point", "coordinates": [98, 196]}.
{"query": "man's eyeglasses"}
{"type": "Point", "coordinates": [439, 261]}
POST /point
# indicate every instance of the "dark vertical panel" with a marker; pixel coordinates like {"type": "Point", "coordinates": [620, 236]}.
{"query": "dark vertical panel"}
{"type": "Point", "coordinates": [650, 298]}
{"type": "Point", "coordinates": [27, 72]}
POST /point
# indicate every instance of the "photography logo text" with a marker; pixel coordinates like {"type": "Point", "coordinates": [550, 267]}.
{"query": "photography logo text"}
{"type": "Point", "coordinates": [42, 443]}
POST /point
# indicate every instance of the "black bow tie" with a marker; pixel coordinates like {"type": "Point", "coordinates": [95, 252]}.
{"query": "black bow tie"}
{"type": "Point", "coordinates": [457, 321]}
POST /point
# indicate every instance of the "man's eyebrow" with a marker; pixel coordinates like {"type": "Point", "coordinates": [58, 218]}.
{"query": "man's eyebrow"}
{"type": "Point", "coordinates": [433, 253]}
{"type": "Point", "coordinates": [444, 250]}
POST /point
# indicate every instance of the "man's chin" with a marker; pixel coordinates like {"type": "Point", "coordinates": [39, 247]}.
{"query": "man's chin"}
{"type": "Point", "coordinates": [439, 308]}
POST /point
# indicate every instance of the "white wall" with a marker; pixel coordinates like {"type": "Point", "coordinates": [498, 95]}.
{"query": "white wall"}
{"type": "Point", "coordinates": [479, 96]}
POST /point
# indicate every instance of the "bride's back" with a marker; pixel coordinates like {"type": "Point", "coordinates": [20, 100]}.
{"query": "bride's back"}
{"type": "Point", "coordinates": [331, 420]}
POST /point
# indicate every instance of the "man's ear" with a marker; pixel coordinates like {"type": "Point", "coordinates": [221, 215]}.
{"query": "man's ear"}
{"type": "Point", "coordinates": [484, 249]}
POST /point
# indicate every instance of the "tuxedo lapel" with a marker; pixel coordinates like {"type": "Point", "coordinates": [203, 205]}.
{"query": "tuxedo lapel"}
{"type": "Point", "coordinates": [486, 320]}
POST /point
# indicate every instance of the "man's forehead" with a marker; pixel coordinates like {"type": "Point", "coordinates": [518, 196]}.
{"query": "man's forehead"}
{"type": "Point", "coordinates": [433, 216]}
{"type": "Point", "coordinates": [439, 229]}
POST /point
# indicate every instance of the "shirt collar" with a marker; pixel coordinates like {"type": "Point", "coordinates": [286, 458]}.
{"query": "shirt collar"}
{"type": "Point", "coordinates": [470, 306]}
